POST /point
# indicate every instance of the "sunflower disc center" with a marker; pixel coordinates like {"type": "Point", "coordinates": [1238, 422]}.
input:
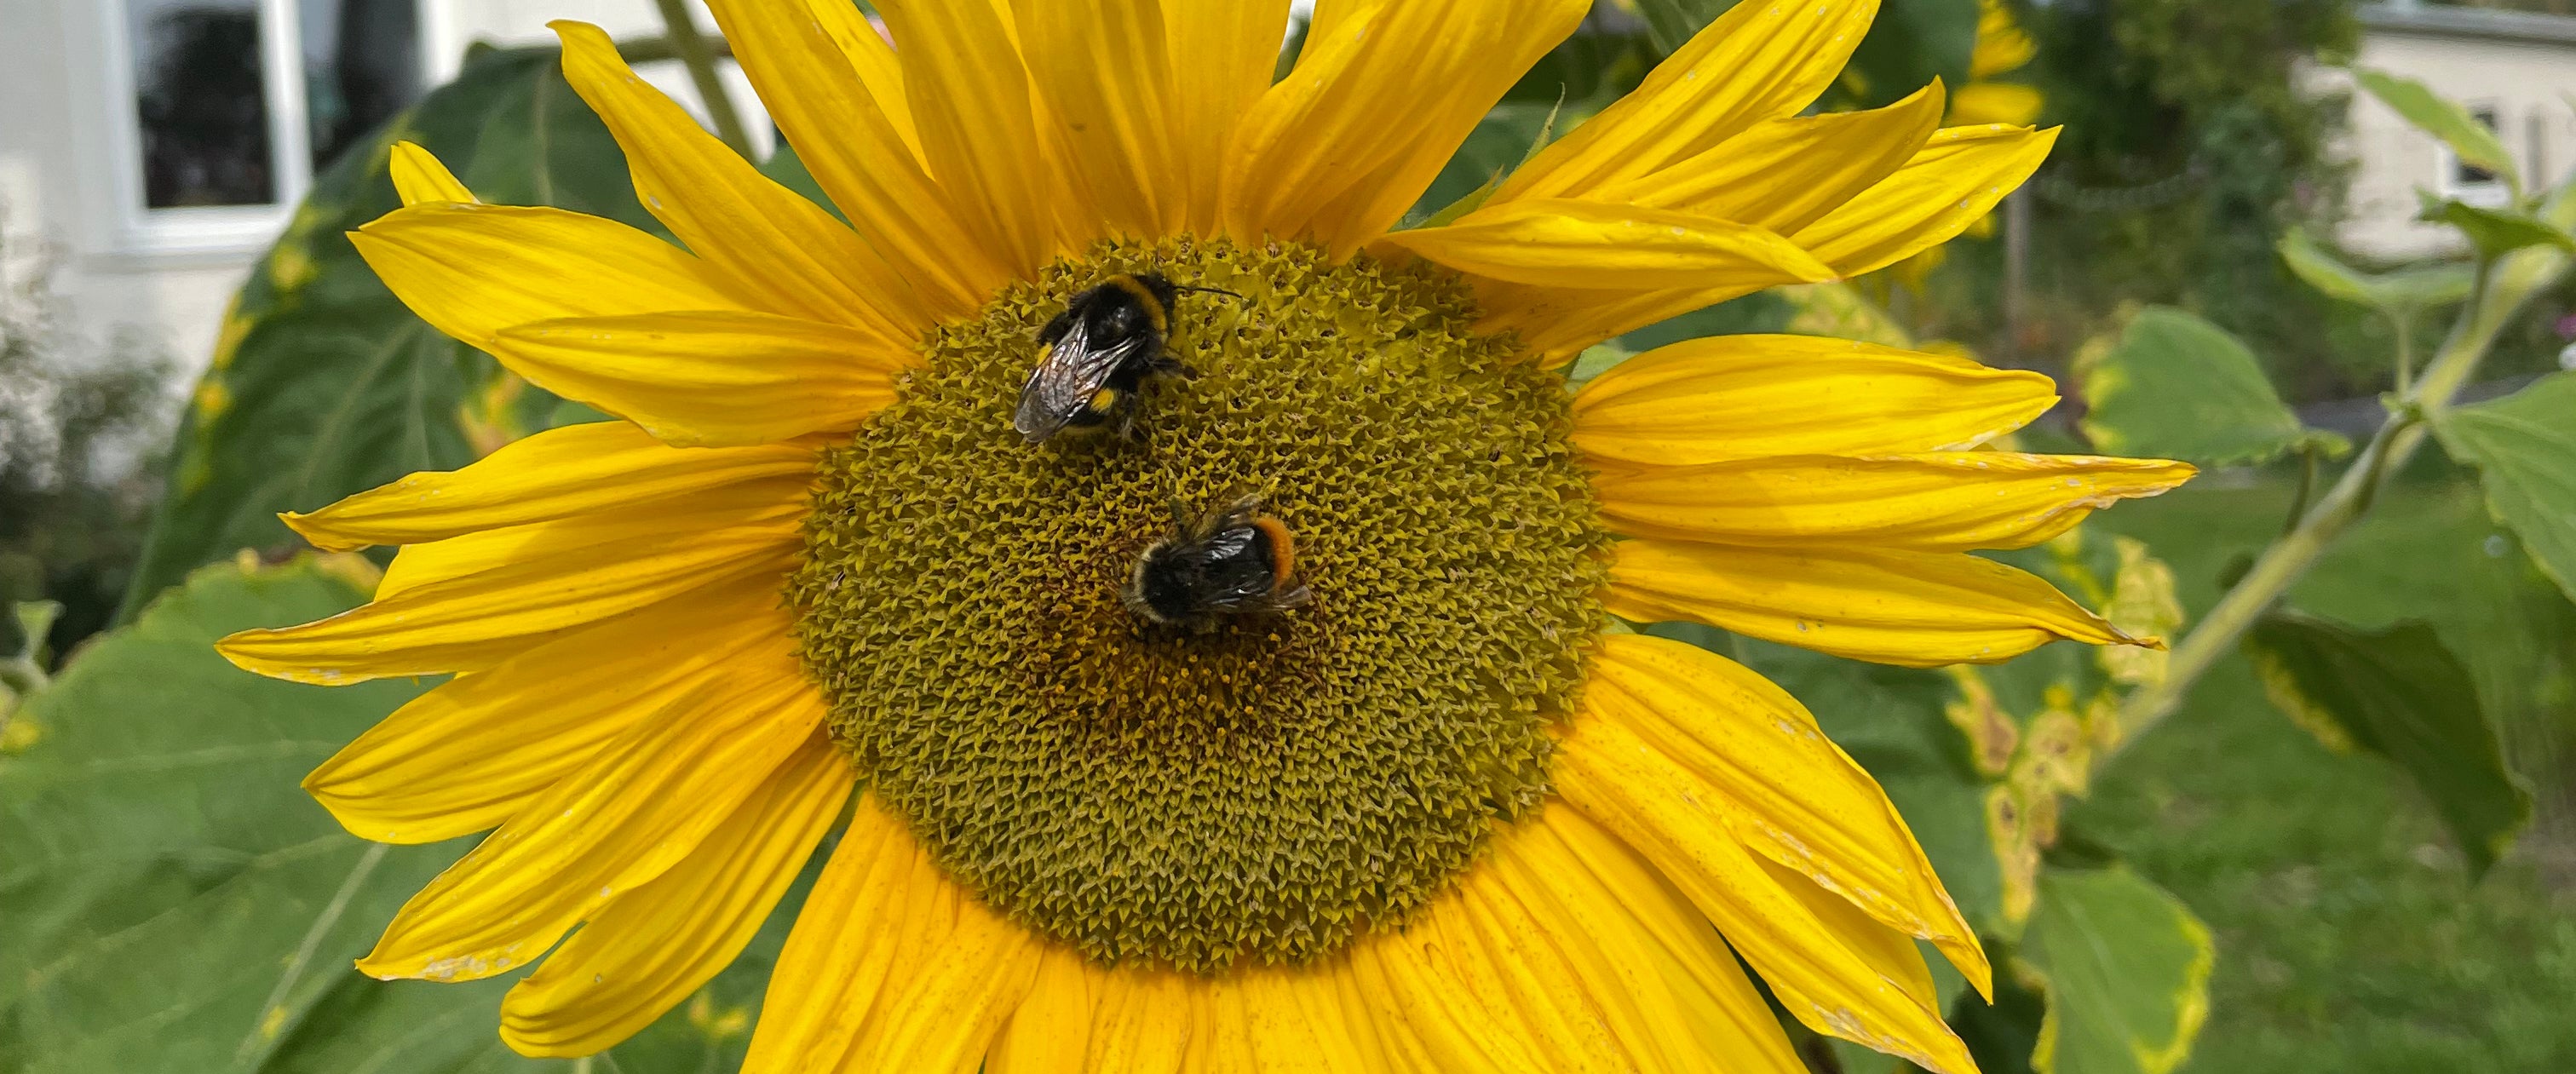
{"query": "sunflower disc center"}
{"type": "Point", "coordinates": [1281, 785]}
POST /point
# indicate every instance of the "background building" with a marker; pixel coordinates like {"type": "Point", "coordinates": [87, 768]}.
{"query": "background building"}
{"type": "Point", "coordinates": [2512, 69]}
{"type": "Point", "coordinates": [151, 149]}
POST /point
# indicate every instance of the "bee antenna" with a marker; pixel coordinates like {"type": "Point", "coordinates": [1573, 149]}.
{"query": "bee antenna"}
{"type": "Point", "coordinates": [1205, 290]}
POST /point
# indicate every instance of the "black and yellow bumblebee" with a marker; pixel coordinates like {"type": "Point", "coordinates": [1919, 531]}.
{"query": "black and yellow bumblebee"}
{"type": "Point", "coordinates": [1096, 357]}
{"type": "Point", "coordinates": [1234, 560]}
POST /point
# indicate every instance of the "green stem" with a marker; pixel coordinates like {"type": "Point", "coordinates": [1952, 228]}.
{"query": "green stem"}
{"type": "Point", "coordinates": [20, 675]}
{"type": "Point", "coordinates": [701, 61]}
{"type": "Point", "coordinates": [2405, 319]}
{"type": "Point", "coordinates": [2502, 289]}
{"type": "Point", "coordinates": [2307, 485]}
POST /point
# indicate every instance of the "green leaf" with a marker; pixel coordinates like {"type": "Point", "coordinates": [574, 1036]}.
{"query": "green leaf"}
{"type": "Point", "coordinates": [2127, 971]}
{"type": "Point", "coordinates": [2494, 232]}
{"type": "Point", "coordinates": [2176, 386]}
{"type": "Point", "coordinates": [2473, 142]}
{"type": "Point", "coordinates": [1505, 139]}
{"type": "Point", "coordinates": [322, 384]}
{"type": "Point", "coordinates": [1912, 43]}
{"type": "Point", "coordinates": [175, 901]}
{"type": "Point", "coordinates": [2401, 694]}
{"type": "Point", "coordinates": [1670, 24]}
{"type": "Point", "coordinates": [2400, 292]}
{"type": "Point", "coordinates": [2524, 446]}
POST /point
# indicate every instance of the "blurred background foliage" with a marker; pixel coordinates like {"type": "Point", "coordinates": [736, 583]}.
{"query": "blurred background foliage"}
{"type": "Point", "coordinates": [2293, 874]}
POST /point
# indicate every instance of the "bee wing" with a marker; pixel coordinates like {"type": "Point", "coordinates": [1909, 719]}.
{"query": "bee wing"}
{"type": "Point", "coordinates": [1061, 386]}
{"type": "Point", "coordinates": [1232, 578]}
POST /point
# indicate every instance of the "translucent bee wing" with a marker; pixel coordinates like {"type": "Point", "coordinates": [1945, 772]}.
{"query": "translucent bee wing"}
{"type": "Point", "coordinates": [1076, 366]}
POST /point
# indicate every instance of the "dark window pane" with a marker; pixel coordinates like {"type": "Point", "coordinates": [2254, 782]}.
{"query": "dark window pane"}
{"type": "Point", "coordinates": [2467, 174]}
{"type": "Point", "coordinates": [202, 102]}
{"type": "Point", "coordinates": [361, 65]}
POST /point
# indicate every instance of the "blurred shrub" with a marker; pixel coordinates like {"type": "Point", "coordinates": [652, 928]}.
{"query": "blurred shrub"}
{"type": "Point", "coordinates": [81, 423]}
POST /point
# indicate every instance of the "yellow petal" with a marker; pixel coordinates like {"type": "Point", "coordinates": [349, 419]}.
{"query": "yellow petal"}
{"type": "Point", "coordinates": [1952, 183]}
{"type": "Point", "coordinates": [1825, 962]}
{"type": "Point", "coordinates": [1537, 960]}
{"type": "Point", "coordinates": [1837, 971]}
{"type": "Point", "coordinates": [1288, 1019]}
{"type": "Point", "coordinates": [1050, 1031]}
{"type": "Point", "coordinates": [1944, 501]}
{"type": "Point", "coordinates": [552, 474]}
{"type": "Point", "coordinates": [892, 966]}
{"type": "Point", "coordinates": [473, 270]}
{"type": "Point", "coordinates": [979, 130]}
{"type": "Point", "coordinates": [1102, 68]}
{"type": "Point", "coordinates": [943, 1010]}
{"type": "Point", "coordinates": [1784, 173]}
{"type": "Point", "coordinates": [870, 56]}
{"type": "Point", "coordinates": [466, 756]}
{"type": "Point", "coordinates": [1711, 741]}
{"type": "Point", "coordinates": [1704, 1010]}
{"type": "Point", "coordinates": [2009, 103]}
{"type": "Point", "coordinates": [1379, 101]}
{"type": "Point", "coordinates": [1226, 50]}
{"type": "Point", "coordinates": [622, 820]}
{"type": "Point", "coordinates": [1914, 609]}
{"type": "Point", "coordinates": [652, 947]}
{"type": "Point", "coordinates": [781, 252]}
{"type": "Point", "coordinates": [1758, 61]}
{"type": "Point", "coordinates": [1578, 244]}
{"type": "Point", "coordinates": [1555, 324]}
{"type": "Point", "coordinates": [737, 513]}
{"type": "Point", "coordinates": [1749, 396]}
{"type": "Point", "coordinates": [1146, 1021]}
{"type": "Point", "coordinates": [2002, 45]}
{"type": "Point", "coordinates": [419, 177]}
{"type": "Point", "coordinates": [835, 90]}
{"type": "Point", "coordinates": [567, 579]}
{"type": "Point", "coordinates": [710, 379]}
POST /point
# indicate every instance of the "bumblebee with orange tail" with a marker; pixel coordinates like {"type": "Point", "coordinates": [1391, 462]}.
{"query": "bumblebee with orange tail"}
{"type": "Point", "coordinates": [1234, 560]}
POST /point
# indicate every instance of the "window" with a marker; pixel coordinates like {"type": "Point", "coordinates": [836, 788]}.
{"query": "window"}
{"type": "Point", "coordinates": [223, 110]}
{"type": "Point", "coordinates": [2467, 182]}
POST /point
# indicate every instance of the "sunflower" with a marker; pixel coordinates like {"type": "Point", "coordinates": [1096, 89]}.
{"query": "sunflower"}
{"type": "Point", "coordinates": [2002, 48]}
{"type": "Point", "coordinates": [1450, 815]}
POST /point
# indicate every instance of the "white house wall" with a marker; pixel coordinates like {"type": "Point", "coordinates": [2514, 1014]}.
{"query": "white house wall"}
{"type": "Point", "coordinates": [56, 189]}
{"type": "Point", "coordinates": [2527, 82]}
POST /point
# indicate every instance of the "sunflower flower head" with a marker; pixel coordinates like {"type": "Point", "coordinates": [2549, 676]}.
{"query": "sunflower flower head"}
{"type": "Point", "coordinates": [1443, 814]}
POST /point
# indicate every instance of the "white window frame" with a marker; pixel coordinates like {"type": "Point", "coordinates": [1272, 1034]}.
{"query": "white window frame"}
{"type": "Point", "coordinates": [111, 142]}
{"type": "Point", "coordinates": [2492, 194]}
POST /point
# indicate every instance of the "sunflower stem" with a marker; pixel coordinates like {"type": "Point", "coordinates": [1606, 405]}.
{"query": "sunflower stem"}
{"type": "Point", "coordinates": [701, 62]}
{"type": "Point", "coordinates": [2503, 286]}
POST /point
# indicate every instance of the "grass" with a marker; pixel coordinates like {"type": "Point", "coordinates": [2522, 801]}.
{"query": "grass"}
{"type": "Point", "coordinates": [2351, 937]}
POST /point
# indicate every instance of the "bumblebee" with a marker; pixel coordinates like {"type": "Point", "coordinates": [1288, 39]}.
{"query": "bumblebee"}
{"type": "Point", "coordinates": [1097, 355]}
{"type": "Point", "coordinates": [1234, 560]}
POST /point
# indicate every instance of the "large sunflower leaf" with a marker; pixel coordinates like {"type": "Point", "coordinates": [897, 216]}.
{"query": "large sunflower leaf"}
{"type": "Point", "coordinates": [2524, 446]}
{"type": "Point", "coordinates": [322, 384]}
{"type": "Point", "coordinates": [2126, 967]}
{"type": "Point", "coordinates": [2401, 694]}
{"type": "Point", "coordinates": [175, 902]}
{"type": "Point", "coordinates": [2175, 386]}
